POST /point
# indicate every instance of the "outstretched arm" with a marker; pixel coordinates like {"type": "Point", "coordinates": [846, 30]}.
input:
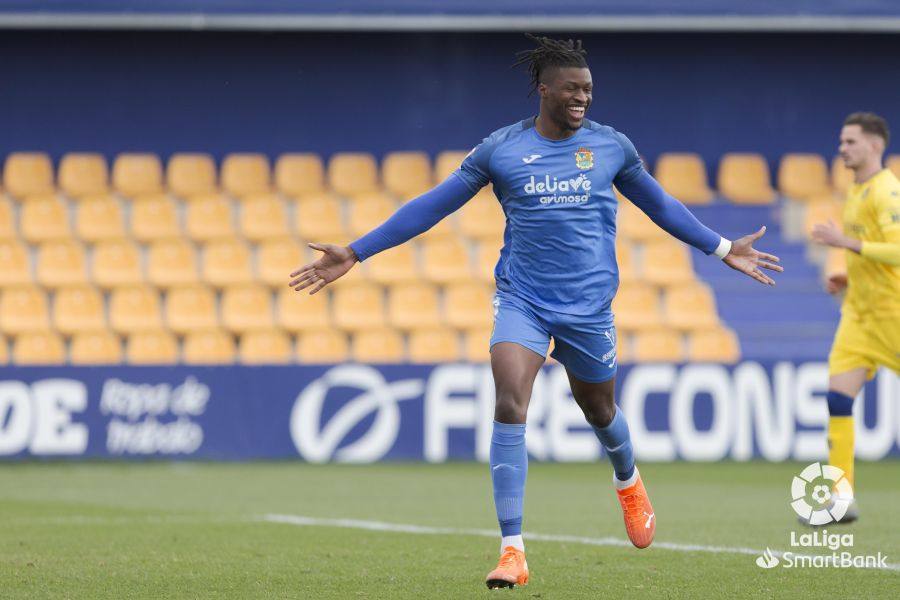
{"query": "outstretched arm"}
{"type": "Point", "coordinates": [413, 218]}
{"type": "Point", "coordinates": [887, 252]}
{"type": "Point", "coordinates": [674, 217]}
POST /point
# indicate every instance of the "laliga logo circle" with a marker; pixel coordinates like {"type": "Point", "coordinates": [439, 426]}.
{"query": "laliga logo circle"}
{"type": "Point", "coordinates": [318, 445]}
{"type": "Point", "coordinates": [821, 494]}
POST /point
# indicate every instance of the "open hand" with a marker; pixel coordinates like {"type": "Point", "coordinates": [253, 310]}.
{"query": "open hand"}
{"type": "Point", "coordinates": [837, 283]}
{"type": "Point", "coordinates": [750, 261]}
{"type": "Point", "coordinates": [334, 262]}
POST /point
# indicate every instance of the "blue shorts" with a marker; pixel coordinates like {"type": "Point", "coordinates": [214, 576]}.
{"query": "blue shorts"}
{"type": "Point", "coordinates": [585, 345]}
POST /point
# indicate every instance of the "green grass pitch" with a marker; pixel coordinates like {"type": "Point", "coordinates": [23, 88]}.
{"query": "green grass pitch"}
{"type": "Point", "coordinates": [195, 530]}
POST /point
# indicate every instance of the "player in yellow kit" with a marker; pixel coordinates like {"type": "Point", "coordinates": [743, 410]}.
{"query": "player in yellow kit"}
{"type": "Point", "coordinates": [869, 331]}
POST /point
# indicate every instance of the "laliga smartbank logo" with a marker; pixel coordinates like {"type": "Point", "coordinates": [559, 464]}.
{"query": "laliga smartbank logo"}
{"type": "Point", "coordinates": [820, 495]}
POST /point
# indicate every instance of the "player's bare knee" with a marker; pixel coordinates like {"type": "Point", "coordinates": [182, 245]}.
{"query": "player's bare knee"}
{"type": "Point", "coordinates": [510, 407]}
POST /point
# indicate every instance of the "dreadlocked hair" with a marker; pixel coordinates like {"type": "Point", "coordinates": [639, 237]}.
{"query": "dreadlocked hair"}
{"type": "Point", "coordinates": [550, 53]}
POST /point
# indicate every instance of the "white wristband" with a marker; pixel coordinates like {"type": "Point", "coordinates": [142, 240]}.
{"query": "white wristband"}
{"type": "Point", "coordinates": [723, 249]}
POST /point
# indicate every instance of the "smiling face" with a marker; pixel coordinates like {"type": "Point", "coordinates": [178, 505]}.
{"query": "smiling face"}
{"type": "Point", "coordinates": [858, 148]}
{"type": "Point", "coordinates": [565, 96]}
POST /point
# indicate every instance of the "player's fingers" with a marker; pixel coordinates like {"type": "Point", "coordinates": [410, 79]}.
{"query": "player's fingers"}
{"type": "Point", "coordinates": [310, 277]}
{"type": "Point", "coordinates": [771, 267]}
{"type": "Point", "coordinates": [762, 278]}
{"type": "Point", "coordinates": [303, 269]}
{"type": "Point", "coordinates": [769, 257]}
{"type": "Point", "coordinates": [758, 234]}
{"type": "Point", "coordinates": [319, 285]}
{"type": "Point", "coordinates": [302, 276]}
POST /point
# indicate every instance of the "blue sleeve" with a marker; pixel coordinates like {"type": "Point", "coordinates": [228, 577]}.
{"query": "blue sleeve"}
{"type": "Point", "coordinates": [416, 216]}
{"type": "Point", "coordinates": [644, 192]}
{"type": "Point", "coordinates": [475, 169]}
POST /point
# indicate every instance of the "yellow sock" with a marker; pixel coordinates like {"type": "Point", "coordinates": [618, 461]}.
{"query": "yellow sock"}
{"type": "Point", "coordinates": [840, 445]}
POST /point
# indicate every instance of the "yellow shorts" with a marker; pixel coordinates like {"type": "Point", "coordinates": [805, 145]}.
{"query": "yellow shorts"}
{"type": "Point", "coordinates": [865, 343]}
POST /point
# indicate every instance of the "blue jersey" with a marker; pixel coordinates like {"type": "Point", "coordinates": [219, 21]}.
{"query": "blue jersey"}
{"type": "Point", "coordinates": [559, 249]}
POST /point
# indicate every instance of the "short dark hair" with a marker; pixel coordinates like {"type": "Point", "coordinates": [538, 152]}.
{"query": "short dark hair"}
{"type": "Point", "coordinates": [550, 53]}
{"type": "Point", "coordinates": [870, 123]}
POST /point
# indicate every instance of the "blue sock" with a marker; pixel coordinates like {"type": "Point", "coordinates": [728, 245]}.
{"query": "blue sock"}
{"type": "Point", "coordinates": [509, 466]}
{"type": "Point", "coordinates": [617, 442]}
{"type": "Point", "coordinates": [839, 405]}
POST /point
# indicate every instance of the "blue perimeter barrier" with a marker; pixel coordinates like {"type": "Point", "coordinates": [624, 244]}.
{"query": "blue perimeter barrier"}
{"type": "Point", "coordinates": [363, 413]}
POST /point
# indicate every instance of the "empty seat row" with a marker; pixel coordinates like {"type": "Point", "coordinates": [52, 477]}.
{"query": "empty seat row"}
{"type": "Point", "coordinates": [403, 174]}
{"type": "Point", "coordinates": [167, 263]}
{"type": "Point", "coordinates": [434, 344]}
{"type": "Point", "coordinates": [315, 218]}
{"type": "Point", "coordinates": [745, 178]}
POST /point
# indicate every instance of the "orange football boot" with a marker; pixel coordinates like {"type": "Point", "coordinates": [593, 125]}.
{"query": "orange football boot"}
{"type": "Point", "coordinates": [511, 570]}
{"type": "Point", "coordinates": [640, 520]}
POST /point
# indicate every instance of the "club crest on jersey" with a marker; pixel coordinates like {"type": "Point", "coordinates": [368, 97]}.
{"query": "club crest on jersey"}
{"type": "Point", "coordinates": [584, 158]}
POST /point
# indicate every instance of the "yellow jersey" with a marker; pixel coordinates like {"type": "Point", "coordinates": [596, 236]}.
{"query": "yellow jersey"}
{"type": "Point", "coordinates": [872, 214]}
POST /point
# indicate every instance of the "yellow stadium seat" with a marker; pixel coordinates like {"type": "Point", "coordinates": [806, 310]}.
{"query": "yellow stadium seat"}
{"type": "Point", "coordinates": [368, 212]}
{"type": "Point", "coordinates": [99, 218]}
{"type": "Point", "coordinates": [396, 265]}
{"type": "Point", "coordinates": [211, 347]}
{"type": "Point", "coordinates": [637, 307]}
{"type": "Point", "coordinates": [406, 174]}
{"type": "Point", "coordinates": [319, 218]}
{"type": "Point", "coordinates": [446, 261]}
{"type": "Point", "coordinates": [189, 175]}
{"type": "Point", "coordinates": [28, 174]}
{"type": "Point", "coordinates": [487, 253]}
{"type": "Point", "coordinates": [171, 262]}
{"type": "Point", "coordinates": [744, 179]}
{"type": "Point", "coordinates": [246, 174]}
{"type": "Point", "coordinates": [95, 348]}
{"type": "Point", "coordinates": [247, 308]}
{"type": "Point", "coordinates": [322, 346]}
{"type": "Point", "coordinates": [8, 227]}
{"type": "Point", "coordinates": [298, 311]}
{"type": "Point", "coordinates": [4, 351]}
{"type": "Point", "coordinates": [443, 229]}
{"type": "Point", "coordinates": [690, 306]}
{"type": "Point", "coordinates": [412, 305]}
{"type": "Point", "coordinates": [821, 210]}
{"type": "Point", "coordinates": [476, 344]}
{"type": "Point", "coordinates": [683, 175]}
{"type": "Point", "coordinates": [658, 345]}
{"type": "Point", "coordinates": [835, 263]}
{"type": "Point", "coordinates": [359, 306]}
{"type": "Point", "coordinates": [15, 263]}
{"type": "Point", "coordinates": [803, 175]}
{"type": "Point", "coordinates": [191, 308]}
{"type": "Point", "coordinates": [482, 217]}
{"type": "Point", "coordinates": [633, 224]}
{"type": "Point", "coordinates": [378, 346]}
{"type": "Point", "coordinates": [154, 218]}
{"type": "Point", "coordinates": [152, 347]}
{"type": "Point", "coordinates": [447, 162]}
{"type": "Point", "coordinates": [893, 163]}
{"type": "Point", "coordinates": [83, 174]}
{"type": "Point", "coordinates": [39, 348]}
{"type": "Point", "coordinates": [265, 347]}
{"type": "Point", "coordinates": [841, 176]}
{"type": "Point", "coordinates": [209, 218]}
{"type": "Point", "coordinates": [23, 309]}
{"type": "Point", "coordinates": [77, 309]}
{"type": "Point", "coordinates": [277, 258]}
{"type": "Point", "coordinates": [433, 345]}
{"type": "Point", "coordinates": [44, 218]}
{"type": "Point", "coordinates": [718, 345]}
{"type": "Point", "coordinates": [134, 309]}
{"type": "Point", "coordinates": [299, 175]}
{"type": "Point", "coordinates": [61, 263]}
{"type": "Point", "coordinates": [667, 262]}
{"type": "Point", "coordinates": [137, 174]}
{"type": "Point", "coordinates": [263, 217]}
{"type": "Point", "coordinates": [625, 257]}
{"type": "Point", "coordinates": [227, 262]}
{"type": "Point", "coordinates": [117, 263]}
{"type": "Point", "coordinates": [467, 305]}
{"type": "Point", "coordinates": [623, 349]}
{"type": "Point", "coordinates": [353, 173]}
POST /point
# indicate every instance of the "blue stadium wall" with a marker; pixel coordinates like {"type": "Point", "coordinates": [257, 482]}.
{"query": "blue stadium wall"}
{"type": "Point", "coordinates": [326, 92]}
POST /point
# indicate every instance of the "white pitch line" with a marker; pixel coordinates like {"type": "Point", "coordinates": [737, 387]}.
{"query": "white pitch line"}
{"type": "Point", "coordinates": [303, 521]}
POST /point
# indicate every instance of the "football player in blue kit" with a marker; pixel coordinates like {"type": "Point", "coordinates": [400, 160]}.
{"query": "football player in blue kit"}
{"type": "Point", "coordinates": [553, 175]}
